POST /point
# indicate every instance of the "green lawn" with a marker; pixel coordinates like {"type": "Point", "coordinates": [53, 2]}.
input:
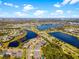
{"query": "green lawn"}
{"type": "Point", "coordinates": [52, 52]}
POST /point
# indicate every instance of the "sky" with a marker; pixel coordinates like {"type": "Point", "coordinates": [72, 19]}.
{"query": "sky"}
{"type": "Point", "coordinates": [39, 8]}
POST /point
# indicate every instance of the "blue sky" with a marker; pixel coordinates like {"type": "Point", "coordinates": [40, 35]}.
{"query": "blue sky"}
{"type": "Point", "coordinates": [39, 8]}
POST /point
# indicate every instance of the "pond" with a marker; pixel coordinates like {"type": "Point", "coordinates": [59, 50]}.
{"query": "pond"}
{"type": "Point", "coordinates": [14, 44]}
{"type": "Point", "coordinates": [29, 35]}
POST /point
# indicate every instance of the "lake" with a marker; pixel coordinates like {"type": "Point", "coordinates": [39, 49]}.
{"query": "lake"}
{"type": "Point", "coordinates": [48, 26]}
{"type": "Point", "coordinates": [66, 38]}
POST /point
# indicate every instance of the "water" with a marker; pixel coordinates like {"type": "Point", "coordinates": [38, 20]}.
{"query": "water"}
{"type": "Point", "coordinates": [66, 38]}
{"type": "Point", "coordinates": [29, 35]}
{"type": "Point", "coordinates": [48, 26]}
{"type": "Point", "coordinates": [13, 44]}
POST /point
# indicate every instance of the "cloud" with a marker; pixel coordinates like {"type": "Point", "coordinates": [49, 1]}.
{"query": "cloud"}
{"type": "Point", "coordinates": [20, 14]}
{"type": "Point", "coordinates": [57, 14]}
{"type": "Point", "coordinates": [11, 5]}
{"type": "Point", "coordinates": [57, 5]}
{"type": "Point", "coordinates": [40, 13]}
{"type": "Point", "coordinates": [59, 11]}
{"type": "Point", "coordinates": [54, 15]}
{"type": "Point", "coordinates": [74, 16]}
{"type": "Point", "coordinates": [8, 4]}
{"type": "Point", "coordinates": [65, 2]}
{"type": "Point", "coordinates": [4, 14]}
{"type": "Point", "coordinates": [16, 6]}
{"type": "Point", "coordinates": [70, 2]}
{"type": "Point", "coordinates": [28, 7]}
{"type": "Point", "coordinates": [69, 11]}
{"type": "Point", "coordinates": [62, 3]}
{"type": "Point", "coordinates": [74, 1]}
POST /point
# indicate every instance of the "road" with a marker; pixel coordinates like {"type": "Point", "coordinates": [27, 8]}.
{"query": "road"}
{"type": "Point", "coordinates": [34, 49]}
{"type": "Point", "coordinates": [37, 49]}
{"type": "Point", "coordinates": [66, 47]}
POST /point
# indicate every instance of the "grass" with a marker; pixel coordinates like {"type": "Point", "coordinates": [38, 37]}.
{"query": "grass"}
{"type": "Point", "coordinates": [53, 51]}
